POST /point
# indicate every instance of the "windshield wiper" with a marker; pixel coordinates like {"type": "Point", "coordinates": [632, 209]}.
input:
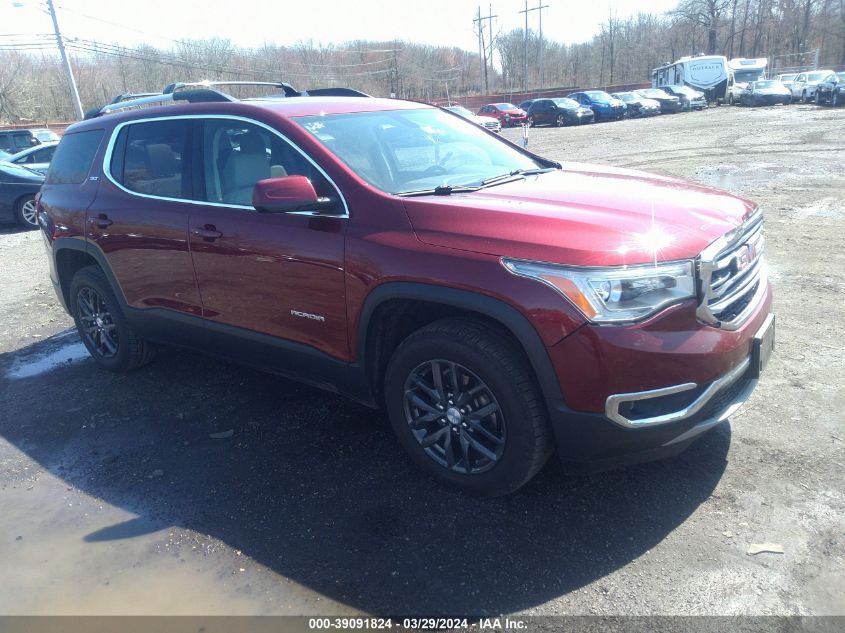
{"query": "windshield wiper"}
{"type": "Point", "coordinates": [440, 190]}
{"type": "Point", "coordinates": [495, 180]}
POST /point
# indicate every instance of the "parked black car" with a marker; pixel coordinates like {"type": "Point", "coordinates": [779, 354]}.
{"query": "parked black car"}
{"type": "Point", "coordinates": [831, 90]}
{"type": "Point", "coordinates": [18, 186]}
{"type": "Point", "coordinates": [559, 111]}
{"type": "Point", "coordinates": [527, 104]}
{"type": "Point", "coordinates": [668, 103]}
{"type": "Point", "coordinates": [13, 141]}
{"type": "Point", "coordinates": [638, 106]}
{"type": "Point", "coordinates": [765, 92]}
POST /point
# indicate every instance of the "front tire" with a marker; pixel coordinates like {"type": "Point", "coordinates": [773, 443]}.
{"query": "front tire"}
{"type": "Point", "coordinates": [466, 407]}
{"type": "Point", "coordinates": [101, 324]}
{"type": "Point", "coordinates": [26, 212]}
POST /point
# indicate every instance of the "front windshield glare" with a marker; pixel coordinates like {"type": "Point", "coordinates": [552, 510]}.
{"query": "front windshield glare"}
{"type": "Point", "coordinates": [402, 151]}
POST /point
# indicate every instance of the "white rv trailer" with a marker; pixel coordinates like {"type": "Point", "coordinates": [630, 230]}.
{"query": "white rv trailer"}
{"type": "Point", "coordinates": [706, 73]}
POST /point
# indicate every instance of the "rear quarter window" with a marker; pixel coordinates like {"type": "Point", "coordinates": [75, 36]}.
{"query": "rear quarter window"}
{"type": "Point", "coordinates": [74, 157]}
{"type": "Point", "coordinates": [153, 158]}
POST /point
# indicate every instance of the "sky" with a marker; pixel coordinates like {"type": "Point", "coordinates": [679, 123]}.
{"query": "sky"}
{"type": "Point", "coordinates": [250, 23]}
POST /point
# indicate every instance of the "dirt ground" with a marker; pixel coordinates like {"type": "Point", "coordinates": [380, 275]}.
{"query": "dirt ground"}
{"type": "Point", "coordinates": [115, 497]}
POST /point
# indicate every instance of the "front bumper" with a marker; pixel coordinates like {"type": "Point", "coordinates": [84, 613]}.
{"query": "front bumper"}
{"type": "Point", "coordinates": [645, 391]}
{"type": "Point", "coordinates": [592, 442]}
{"type": "Point", "coordinates": [763, 100]}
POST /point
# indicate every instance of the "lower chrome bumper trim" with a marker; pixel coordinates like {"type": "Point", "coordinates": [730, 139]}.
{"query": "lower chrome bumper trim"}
{"type": "Point", "coordinates": [615, 401]}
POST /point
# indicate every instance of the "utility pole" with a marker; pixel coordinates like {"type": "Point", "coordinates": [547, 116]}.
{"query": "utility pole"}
{"type": "Point", "coordinates": [74, 93]}
{"type": "Point", "coordinates": [490, 17]}
{"type": "Point", "coordinates": [482, 69]}
{"type": "Point", "coordinates": [540, 6]}
{"type": "Point", "coordinates": [525, 54]}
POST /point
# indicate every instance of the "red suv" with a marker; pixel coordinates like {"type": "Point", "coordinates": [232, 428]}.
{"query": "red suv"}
{"type": "Point", "coordinates": [498, 305]}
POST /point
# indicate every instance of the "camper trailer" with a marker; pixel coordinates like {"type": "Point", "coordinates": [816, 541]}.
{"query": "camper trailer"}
{"type": "Point", "coordinates": [706, 73]}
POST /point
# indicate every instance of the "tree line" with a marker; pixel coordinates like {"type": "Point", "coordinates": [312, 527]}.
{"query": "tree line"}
{"type": "Point", "coordinates": [625, 50]}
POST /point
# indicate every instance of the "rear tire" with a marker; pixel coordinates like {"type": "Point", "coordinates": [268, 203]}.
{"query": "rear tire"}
{"type": "Point", "coordinates": [101, 324]}
{"type": "Point", "coordinates": [466, 407]}
{"type": "Point", "coordinates": [26, 212]}
{"type": "Point", "coordinates": [561, 120]}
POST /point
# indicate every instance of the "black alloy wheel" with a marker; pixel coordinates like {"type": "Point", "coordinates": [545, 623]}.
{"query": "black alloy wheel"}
{"type": "Point", "coordinates": [454, 416]}
{"type": "Point", "coordinates": [98, 326]}
{"type": "Point", "coordinates": [465, 405]}
{"type": "Point", "coordinates": [101, 324]}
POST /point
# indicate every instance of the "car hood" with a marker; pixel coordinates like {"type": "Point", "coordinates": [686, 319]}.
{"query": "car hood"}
{"type": "Point", "coordinates": [584, 215]}
{"type": "Point", "coordinates": [482, 119]}
{"type": "Point", "coordinates": [771, 91]}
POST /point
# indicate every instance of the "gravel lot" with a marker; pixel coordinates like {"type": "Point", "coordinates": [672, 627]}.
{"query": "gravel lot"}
{"type": "Point", "coordinates": [114, 497]}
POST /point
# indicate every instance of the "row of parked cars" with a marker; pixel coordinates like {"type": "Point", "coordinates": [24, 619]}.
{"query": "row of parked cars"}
{"type": "Point", "coordinates": [587, 106]}
{"type": "Point", "coordinates": [819, 86]}
{"type": "Point", "coordinates": [25, 156]}
{"type": "Point", "coordinates": [824, 87]}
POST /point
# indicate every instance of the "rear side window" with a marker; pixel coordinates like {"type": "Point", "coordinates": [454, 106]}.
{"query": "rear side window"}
{"type": "Point", "coordinates": [23, 140]}
{"type": "Point", "coordinates": [73, 158]}
{"type": "Point", "coordinates": [153, 158]}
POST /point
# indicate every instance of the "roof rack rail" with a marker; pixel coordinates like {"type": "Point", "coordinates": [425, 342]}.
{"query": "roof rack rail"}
{"type": "Point", "coordinates": [289, 91]}
{"type": "Point", "coordinates": [205, 92]}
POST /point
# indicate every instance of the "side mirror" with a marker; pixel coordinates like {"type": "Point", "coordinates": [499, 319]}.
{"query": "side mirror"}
{"type": "Point", "coordinates": [288, 194]}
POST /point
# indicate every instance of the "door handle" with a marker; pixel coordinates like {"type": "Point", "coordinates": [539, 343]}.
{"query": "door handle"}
{"type": "Point", "coordinates": [209, 232]}
{"type": "Point", "coordinates": [101, 221]}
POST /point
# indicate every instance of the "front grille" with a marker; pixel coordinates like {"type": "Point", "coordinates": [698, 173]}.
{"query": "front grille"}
{"type": "Point", "coordinates": [731, 273]}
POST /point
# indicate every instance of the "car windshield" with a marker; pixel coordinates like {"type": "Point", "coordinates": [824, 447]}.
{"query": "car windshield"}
{"type": "Point", "coordinates": [460, 110]}
{"type": "Point", "coordinates": [505, 106]}
{"type": "Point", "coordinates": [744, 76]}
{"type": "Point", "coordinates": [402, 151]}
{"type": "Point", "coordinates": [816, 76]}
{"type": "Point", "coordinates": [654, 93]}
{"type": "Point", "coordinates": [564, 102]}
{"type": "Point", "coordinates": [627, 97]}
{"type": "Point", "coordinates": [787, 77]}
{"type": "Point", "coordinates": [766, 84]}
{"type": "Point", "coordinates": [598, 95]}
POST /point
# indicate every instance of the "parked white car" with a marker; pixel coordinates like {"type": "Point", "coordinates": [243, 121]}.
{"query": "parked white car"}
{"type": "Point", "coordinates": [36, 158]}
{"type": "Point", "coordinates": [804, 85]}
{"type": "Point", "coordinates": [484, 121]}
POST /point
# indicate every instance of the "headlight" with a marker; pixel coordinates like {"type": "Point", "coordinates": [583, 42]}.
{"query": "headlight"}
{"type": "Point", "coordinates": [613, 295]}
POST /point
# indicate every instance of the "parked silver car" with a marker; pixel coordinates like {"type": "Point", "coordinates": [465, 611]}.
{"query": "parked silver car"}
{"type": "Point", "coordinates": [804, 86]}
{"type": "Point", "coordinates": [36, 158]}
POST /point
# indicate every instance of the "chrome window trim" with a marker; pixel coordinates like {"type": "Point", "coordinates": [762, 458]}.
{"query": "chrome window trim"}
{"type": "Point", "coordinates": [613, 402]}
{"type": "Point", "coordinates": [176, 117]}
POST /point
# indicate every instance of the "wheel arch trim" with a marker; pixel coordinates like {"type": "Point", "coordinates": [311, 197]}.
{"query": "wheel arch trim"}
{"type": "Point", "coordinates": [506, 315]}
{"type": "Point", "coordinates": [79, 244]}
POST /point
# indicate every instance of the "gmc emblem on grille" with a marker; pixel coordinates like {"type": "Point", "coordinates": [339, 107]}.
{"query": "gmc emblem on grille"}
{"type": "Point", "coordinates": [744, 257]}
